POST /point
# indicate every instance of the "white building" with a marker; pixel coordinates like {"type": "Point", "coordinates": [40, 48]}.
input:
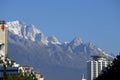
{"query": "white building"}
{"type": "Point", "coordinates": [95, 66]}
{"type": "Point", "coordinates": [83, 77]}
{"type": "Point", "coordinates": [26, 69]}
{"type": "Point", "coordinates": [29, 71]}
{"type": "Point", "coordinates": [38, 76]}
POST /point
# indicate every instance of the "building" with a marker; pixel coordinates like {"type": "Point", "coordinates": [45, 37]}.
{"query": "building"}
{"type": "Point", "coordinates": [29, 71]}
{"type": "Point", "coordinates": [8, 70]}
{"type": "Point", "coordinates": [96, 65]}
{"type": "Point", "coordinates": [83, 77]}
{"type": "Point", "coordinates": [4, 67]}
{"type": "Point", "coordinates": [38, 76]}
{"type": "Point", "coordinates": [3, 38]}
{"type": "Point", "coordinates": [26, 69]}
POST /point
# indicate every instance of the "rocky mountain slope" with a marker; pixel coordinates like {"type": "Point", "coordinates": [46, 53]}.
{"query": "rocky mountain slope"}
{"type": "Point", "coordinates": [28, 45]}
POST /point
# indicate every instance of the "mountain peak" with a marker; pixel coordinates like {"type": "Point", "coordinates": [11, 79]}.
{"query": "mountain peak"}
{"type": "Point", "coordinates": [91, 45]}
{"type": "Point", "coordinates": [77, 41]}
{"type": "Point", "coordinates": [25, 31]}
{"type": "Point", "coordinates": [30, 32]}
{"type": "Point", "coordinates": [17, 22]}
{"type": "Point", "coordinates": [53, 40]}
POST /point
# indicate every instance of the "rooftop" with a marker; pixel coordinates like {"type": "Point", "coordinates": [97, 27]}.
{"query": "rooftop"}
{"type": "Point", "coordinates": [2, 22]}
{"type": "Point", "coordinates": [98, 56]}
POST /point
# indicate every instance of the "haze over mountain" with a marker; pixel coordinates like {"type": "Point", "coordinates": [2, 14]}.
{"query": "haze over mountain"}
{"type": "Point", "coordinates": [55, 60]}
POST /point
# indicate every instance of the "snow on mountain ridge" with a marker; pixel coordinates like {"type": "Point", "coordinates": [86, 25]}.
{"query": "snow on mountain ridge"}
{"type": "Point", "coordinates": [15, 28]}
{"type": "Point", "coordinates": [53, 40]}
{"type": "Point", "coordinates": [29, 32]}
{"type": "Point", "coordinates": [107, 55]}
{"type": "Point", "coordinates": [76, 41]}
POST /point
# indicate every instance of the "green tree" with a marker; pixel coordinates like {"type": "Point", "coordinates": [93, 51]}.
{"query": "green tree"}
{"type": "Point", "coordinates": [18, 77]}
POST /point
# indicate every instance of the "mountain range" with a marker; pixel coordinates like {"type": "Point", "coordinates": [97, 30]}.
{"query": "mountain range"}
{"type": "Point", "coordinates": [55, 60]}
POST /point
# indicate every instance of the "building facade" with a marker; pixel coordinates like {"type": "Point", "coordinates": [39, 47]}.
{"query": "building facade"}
{"type": "Point", "coordinates": [96, 65]}
{"type": "Point", "coordinates": [38, 76]}
{"type": "Point", "coordinates": [29, 71]}
{"type": "Point", "coordinates": [3, 38]}
{"type": "Point", "coordinates": [8, 70]}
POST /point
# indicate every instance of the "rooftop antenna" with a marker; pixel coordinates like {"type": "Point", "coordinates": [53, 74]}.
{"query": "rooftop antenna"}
{"type": "Point", "coordinates": [83, 77]}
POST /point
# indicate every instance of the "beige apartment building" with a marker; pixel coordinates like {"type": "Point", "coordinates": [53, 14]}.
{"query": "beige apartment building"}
{"type": "Point", "coordinates": [3, 38]}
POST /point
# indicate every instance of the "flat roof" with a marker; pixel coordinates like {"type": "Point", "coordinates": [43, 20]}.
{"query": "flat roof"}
{"type": "Point", "coordinates": [2, 22]}
{"type": "Point", "coordinates": [99, 56]}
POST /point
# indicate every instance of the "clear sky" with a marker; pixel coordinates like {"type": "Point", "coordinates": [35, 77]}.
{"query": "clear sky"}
{"type": "Point", "coordinates": [96, 21]}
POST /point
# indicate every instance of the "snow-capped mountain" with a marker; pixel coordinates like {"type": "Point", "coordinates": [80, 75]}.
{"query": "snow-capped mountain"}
{"type": "Point", "coordinates": [75, 42]}
{"type": "Point", "coordinates": [53, 40]}
{"type": "Point", "coordinates": [29, 32]}
{"type": "Point", "coordinates": [28, 45]}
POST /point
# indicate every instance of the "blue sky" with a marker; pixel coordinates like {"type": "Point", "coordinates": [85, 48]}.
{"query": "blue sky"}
{"type": "Point", "coordinates": [96, 21]}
